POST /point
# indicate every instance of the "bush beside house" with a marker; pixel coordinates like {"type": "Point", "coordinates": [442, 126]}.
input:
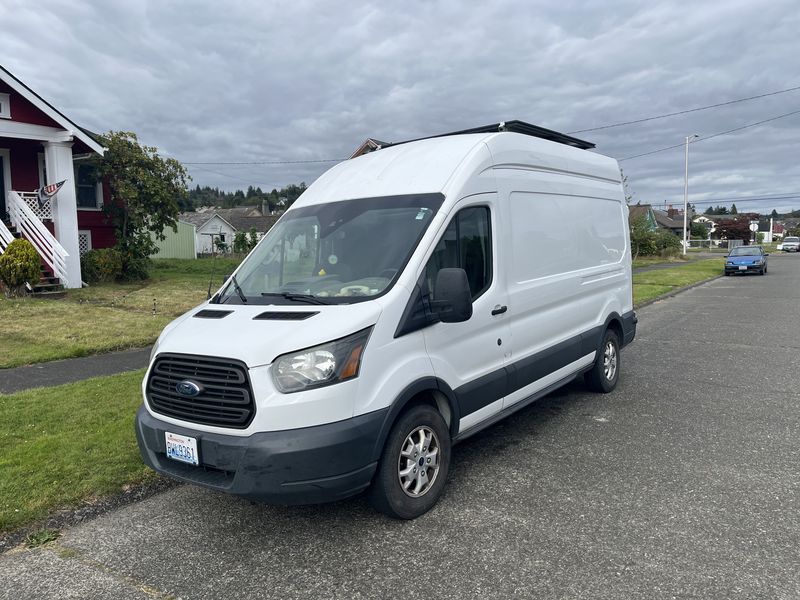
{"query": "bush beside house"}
{"type": "Point", "coordinates": [19, 264]}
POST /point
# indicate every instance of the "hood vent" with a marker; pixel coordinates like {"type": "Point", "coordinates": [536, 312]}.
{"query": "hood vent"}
{"type": "Point", "coordinates": [284, 316]}
{"type": "Point", "coordinates": [212, 314]}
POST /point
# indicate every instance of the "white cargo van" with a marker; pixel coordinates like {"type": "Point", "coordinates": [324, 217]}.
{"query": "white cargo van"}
{"type": "Point", "coordinates": [409, 298]}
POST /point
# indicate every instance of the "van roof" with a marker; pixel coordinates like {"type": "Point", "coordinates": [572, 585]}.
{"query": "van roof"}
{"type": "Point", "coordinates": [514, 126]}
{"type": "Point", "coordinates": [430, 165]}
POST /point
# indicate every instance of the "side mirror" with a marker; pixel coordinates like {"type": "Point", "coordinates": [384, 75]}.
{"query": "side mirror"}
{"type": "Point", "coordinates": [453, 302]}
{"type": "Point", "coordinates": [225, 278]}
{"type": "Point", "coordinates": [766, 253]}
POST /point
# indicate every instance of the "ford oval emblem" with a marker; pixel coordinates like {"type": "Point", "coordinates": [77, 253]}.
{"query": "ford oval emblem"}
{"type": "Point", "coordinates": [187, 388]}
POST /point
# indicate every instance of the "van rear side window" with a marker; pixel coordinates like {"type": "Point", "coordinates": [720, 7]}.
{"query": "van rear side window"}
{"type": "Point", "coordinates": [466, 244]}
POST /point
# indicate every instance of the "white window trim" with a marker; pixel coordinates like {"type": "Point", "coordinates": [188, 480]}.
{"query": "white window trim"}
{"type": "Point", "coordinates": [5, 106]}
{"type": "Point", "coordinates": [98, 196]}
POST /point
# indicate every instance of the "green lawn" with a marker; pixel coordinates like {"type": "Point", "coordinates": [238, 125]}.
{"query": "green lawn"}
{"type": "Point", "coordinates": [652, 284]}
{"type": "Point", "coordinates": [647, 261]}
{"type": "Point", "coordinates": [104, 317]}
{"type": "Point", "coordinates": [63, 445]}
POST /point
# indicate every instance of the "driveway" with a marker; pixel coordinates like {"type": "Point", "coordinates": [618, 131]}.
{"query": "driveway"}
{"type": "Point", "coordinates": [684, 483]}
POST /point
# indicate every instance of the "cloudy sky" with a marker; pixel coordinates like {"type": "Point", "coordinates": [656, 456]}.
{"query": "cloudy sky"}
{"type": "Point", "coordinates": [217, 82]}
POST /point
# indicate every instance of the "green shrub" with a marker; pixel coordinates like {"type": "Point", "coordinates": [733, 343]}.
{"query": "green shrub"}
{"type": "Point", "coordinates": [20, 263]}
{"type": "Point", "coordinates": [667, 243]}
{"type": "Point", "coordinates": [101, 265]}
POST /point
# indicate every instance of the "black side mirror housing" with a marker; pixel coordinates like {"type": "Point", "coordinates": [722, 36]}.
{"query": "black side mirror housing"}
{"type": "Point", "coordinates": [453, 302]}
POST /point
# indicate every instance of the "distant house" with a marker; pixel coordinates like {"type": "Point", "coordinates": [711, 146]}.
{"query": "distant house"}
{"type": "Point", "coordinates": [671, 220]}
{"type": "Point", "coordinates": [710, 225]}
{"type": "Point", "coordinates": [176, 244]}
{"type": "Point", "coordinates": [638, 211]}
{"type": "Point", "coordinates": [39, 145]}
{"type": "Point", "coordinates": [369, 145]}
{"type": "Point", "coordinates": [221, 225]}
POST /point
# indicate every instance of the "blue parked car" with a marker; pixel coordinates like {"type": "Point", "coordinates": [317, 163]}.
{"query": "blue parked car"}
{"type": "Point", "coordinates": [746, 259]}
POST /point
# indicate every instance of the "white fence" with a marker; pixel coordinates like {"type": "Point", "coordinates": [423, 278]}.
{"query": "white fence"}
{"type": "Point", "coordinates": [713, 245]}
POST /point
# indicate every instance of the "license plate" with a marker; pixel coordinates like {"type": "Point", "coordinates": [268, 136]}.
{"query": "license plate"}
{"type": "Point", "coordinates": [742, 268]}
{"type": "Point", "coordinates": [182, 448]}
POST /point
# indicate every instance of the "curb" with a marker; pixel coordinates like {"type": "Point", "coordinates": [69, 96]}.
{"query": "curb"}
{"type": "Point", "coordinates": [87, 511]}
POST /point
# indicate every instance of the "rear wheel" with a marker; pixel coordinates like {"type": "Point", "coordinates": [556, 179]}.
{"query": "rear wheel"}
{"type": "Point", "coordinates": [605, 373]}
{"type": "Point", "coordinates": [414, 465]}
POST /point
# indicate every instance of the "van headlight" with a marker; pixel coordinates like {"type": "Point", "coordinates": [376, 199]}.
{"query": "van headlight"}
{"type": "Point", "coordinates": [325, 364]}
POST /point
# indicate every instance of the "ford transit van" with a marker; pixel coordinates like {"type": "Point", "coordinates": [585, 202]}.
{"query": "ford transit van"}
{"type": "Point", "coordinates": [409, 298]}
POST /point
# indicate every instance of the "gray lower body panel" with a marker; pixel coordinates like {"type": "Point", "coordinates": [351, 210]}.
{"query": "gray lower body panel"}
{"type": "Point", "coordinates": [299, 466]}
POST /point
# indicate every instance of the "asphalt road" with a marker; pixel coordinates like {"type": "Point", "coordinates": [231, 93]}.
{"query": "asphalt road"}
{"type": "Point", "coordinates": [683, 483]}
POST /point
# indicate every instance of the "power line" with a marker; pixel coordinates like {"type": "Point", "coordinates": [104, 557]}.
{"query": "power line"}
{"type": "Point", "coordinates": [703, 139]}
{"type": "Point", "coordinates": [683, 112]}
{"type": "Point", "coordinates": [240, 179]}
{"type": "Point", "coordinates": [785, 196]}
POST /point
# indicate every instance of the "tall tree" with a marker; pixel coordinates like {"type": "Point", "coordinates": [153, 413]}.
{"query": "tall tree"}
{"type": "Point", "coordinates": [733, 210]}
{"type": "Point", "coordinates": [146, 190]}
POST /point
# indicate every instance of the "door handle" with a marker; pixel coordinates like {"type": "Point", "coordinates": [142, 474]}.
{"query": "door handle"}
{"type": "Point", "coordinates": [499, 310]}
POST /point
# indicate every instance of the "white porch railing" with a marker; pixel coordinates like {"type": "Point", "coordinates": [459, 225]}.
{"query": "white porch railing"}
{"type": "Point", "coordinates": [31, 227]}
{"type": "Point", "coordinates": [43, 212]}
{"type": "Point", "coordinates": [5, 237]}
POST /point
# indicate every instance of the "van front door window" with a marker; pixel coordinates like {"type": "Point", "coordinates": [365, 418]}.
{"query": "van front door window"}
{"type": "Point", "coordinates": [466, 244]}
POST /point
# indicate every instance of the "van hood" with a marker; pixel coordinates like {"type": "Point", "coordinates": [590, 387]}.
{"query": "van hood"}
{"type": "Point", "coordinates": [256, 335]}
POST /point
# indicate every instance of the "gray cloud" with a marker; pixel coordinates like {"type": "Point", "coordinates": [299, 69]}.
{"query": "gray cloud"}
{"type": "Point", "coordinates": [305, 80]}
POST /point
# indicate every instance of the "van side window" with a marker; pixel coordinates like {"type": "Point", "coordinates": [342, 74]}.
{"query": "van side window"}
{"type": "Point", "coordinates": [466, 244]}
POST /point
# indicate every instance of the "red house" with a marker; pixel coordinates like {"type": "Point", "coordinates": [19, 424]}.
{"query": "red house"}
{"type": "Point", "coordinates": [39, 145]}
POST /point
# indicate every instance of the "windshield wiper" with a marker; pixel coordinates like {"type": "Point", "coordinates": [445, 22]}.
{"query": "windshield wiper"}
{"type": "Point", "coordinates": [238, 289]}
{"type": "Point", "coordinates": [310, 298]}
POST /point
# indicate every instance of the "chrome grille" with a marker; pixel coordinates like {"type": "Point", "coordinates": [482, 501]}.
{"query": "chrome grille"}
{"type": "Point", "coordinates": [225, 398]}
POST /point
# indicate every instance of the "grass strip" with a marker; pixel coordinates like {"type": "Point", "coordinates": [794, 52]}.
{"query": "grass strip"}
{"type": "Point", "coordinates": [654, 284]}
{"type": "Point", "coordinates": [65, 445]}
{"type": "Point", "coordinates": [105, 317]}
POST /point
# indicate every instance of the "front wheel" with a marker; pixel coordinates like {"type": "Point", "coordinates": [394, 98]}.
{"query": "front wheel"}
{"type": "Point", "coordinates": [414, 465]}
{"type": "Point", "coordinates": [605, 373]}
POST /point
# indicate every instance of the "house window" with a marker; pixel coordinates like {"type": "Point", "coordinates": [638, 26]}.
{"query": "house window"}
{"type": "Point", "coordinates": [88, 191]}
{"type": "Point", "coordinates": [5, 106]}
{"type": "Point", "coordinates": [466, 244]}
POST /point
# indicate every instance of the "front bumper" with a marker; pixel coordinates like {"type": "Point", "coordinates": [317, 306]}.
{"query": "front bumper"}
{"type": "Point", "coordinates": [298, 466]}
{"type": "Point", "coordinates": [750, 268]}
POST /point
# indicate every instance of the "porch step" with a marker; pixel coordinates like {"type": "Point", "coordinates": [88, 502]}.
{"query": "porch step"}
{"type": "Point", "coordinates": [49, 286]}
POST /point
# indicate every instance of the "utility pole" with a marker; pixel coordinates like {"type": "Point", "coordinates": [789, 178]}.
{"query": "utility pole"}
{"type": "Point", "coordinates": [686, 193]}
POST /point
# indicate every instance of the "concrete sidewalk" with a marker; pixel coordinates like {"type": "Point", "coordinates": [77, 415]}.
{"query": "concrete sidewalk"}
{"type": "Point", "coordinates": [72, 369]}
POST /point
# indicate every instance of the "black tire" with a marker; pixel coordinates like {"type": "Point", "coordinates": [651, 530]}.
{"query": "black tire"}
{"type": "Point", "coordinates": [387, 493]}
{"type": "Point", "coordinates": [762, 271]}
{"type": "Point", "coordinates": [598, 378]}
{"type": "Point", "coordinates": [727, 274]}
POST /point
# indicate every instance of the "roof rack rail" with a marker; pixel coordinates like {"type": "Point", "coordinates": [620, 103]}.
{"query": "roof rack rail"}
{"type": "Point", "coordinates": [515, 127]}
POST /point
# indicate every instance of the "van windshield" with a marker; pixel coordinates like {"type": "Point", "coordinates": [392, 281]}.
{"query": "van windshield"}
{"type": "Point", "coordinates": [334, 253]}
